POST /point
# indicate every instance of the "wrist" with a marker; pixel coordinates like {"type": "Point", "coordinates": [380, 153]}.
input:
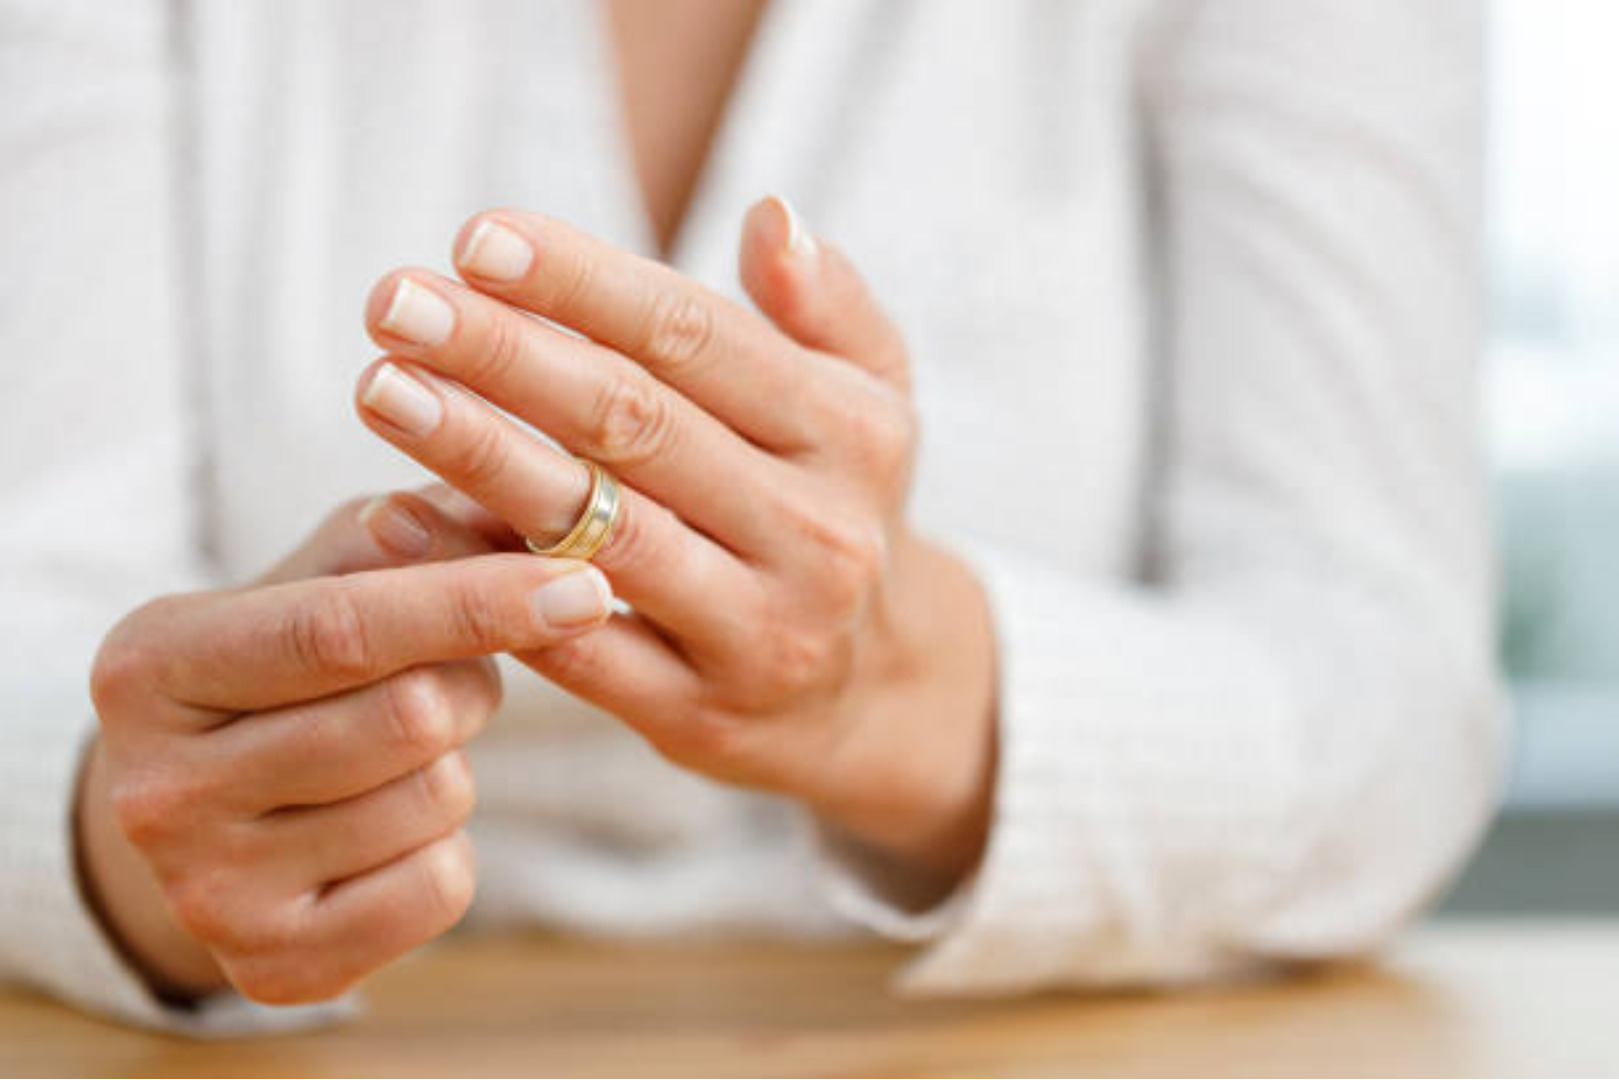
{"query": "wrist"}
{"type": "Point", "coordinates": [922, 787]}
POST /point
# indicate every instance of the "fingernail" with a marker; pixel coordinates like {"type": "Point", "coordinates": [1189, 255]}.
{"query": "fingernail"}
{"type": "Point", "coordinates": [417, 313]}
{"type": "Point", "coordinates": [575, 599]}
{"type": "Point", "coordinates": [496, 253]}
{"type": "Point", "coordinates": [403, 401]}
{"type": "Point", "coordinates": [799, 240]}
{"type": "Point", "coordinates": [396, 529]}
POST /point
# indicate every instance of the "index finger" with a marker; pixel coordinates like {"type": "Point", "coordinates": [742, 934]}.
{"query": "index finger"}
{"type": "Point", "coordinates": [724, 357]}
{"type": "Point", "coordinates": [263, 647]}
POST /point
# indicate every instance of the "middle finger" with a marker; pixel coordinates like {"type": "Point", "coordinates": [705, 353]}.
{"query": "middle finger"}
{"type": "Point", "coordinates": [589, 398]}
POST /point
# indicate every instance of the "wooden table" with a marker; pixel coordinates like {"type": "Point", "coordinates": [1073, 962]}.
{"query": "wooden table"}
{"type": "Point", "coordinates": [1456, 998]}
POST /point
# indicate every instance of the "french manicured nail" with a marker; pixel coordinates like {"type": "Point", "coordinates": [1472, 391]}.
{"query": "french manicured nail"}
{"type": "Point", "coordinates": [417, 313]}
{"type": "Point", "coordinates": [403, 401]}
{"type": "Point", "coordinates": [496, 253]}
{"type": "Point", "coordinates": [396, 529]}
{"type": "Point", "coordinates": [799, 239]}
{"type": "Point", "coordinates": [575, 599]}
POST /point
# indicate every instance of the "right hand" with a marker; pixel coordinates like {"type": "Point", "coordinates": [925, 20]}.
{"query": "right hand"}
{"type": "Point", "coordinates": [276, 797]}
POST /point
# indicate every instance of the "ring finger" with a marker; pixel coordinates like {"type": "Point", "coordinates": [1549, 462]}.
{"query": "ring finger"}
{"type": "Point", "coordinates": [674, 575]}
{"type": "Point", "coordinates": [316, 845]}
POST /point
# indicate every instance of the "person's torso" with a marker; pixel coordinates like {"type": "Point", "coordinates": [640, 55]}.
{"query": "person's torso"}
{"type": "Point", "coordinates": [979, 162]}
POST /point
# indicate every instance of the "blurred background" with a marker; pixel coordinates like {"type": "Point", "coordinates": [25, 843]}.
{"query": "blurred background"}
{"type": "Point", "coordinates": [1553, 406]}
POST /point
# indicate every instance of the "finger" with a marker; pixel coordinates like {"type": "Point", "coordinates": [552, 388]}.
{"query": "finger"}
{"type": "Point", "coordinates": [359, 925]}
{"type": "Point", "coordinates": [414, 529]}
{"type": "Point", "coordinates": [673, 574]}
{"type": "Point", "coordinates": [627, 669]}
{"type": "Point", "coordinates": [258, 648]}
{"type": "Point", "coordinates": [348, 540]}
{"type": "Point", "coordinates": [813, 293]}
{"type": "Point", "coordinates": [592, 400]}
{"type": "Point", "coordinates": [390, 530]}
{"type": "Point", "coordinates": [305, 847]}
{"type": "Point", "coordinates": [713, 350]}
{"type": "Point", "coordinates": [340, 544]}
{"type": "Point", "coordinates": [466, 511]}
{"type": "Point", "coordinates": [537, 490]}
{"type": "Point", "coordinates": [342, 746]}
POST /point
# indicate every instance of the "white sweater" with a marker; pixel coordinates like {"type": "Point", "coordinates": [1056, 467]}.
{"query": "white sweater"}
{"type": "Point", "coordinates": [1192, 293]}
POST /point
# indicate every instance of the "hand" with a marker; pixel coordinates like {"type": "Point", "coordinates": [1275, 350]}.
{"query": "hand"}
{"type": "Point", "coordinates": [790, 632]}
{"type": "Point", "coordinates": [277, 792]}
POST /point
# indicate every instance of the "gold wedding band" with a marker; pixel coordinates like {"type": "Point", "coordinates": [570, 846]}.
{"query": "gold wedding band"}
{"type": "Point", "coordinates": [594, 526]}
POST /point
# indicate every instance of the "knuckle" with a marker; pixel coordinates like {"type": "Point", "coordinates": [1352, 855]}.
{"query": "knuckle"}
{"type": "Point", "coordinates": [794, 662]}
{"type": "Point", "coordinates": [417, 715]}
{"type": "Point", "coordinates": [121, 671]}
{"type": "Point", "coordinates": [149, 812]}
{"type": "Point", "coordinates": [501, 351]}
{"type": "Point", "coordinates": [479, 623]}
{"type": "Point", "coordinates": [853, 564]}
{"type": "Point", "coordinates": [451, 880]}
{"type": "Point", "coordinates": [679, 330]}
{"type": "Point", "coordinates": [448, 789]}
{"type": "Point", "coordinates": [574, 279]}
{"type": "Point", "coordinates": [200, 902]}
{"type": "Point", "coordinates": [847, 556]}
{"type": "Point", "coordinates": [491, 689]}
{"type": "Point", "coordinates": [329, 635]}
{"type": "Point", "coordinates": [882, 437]}
{"type": "Point", "coordinates": [891, 358]}
{"type": "Point", "coordinates": [629, 422]}
{"type": "Point", "coordinates": [482, 455]}
{"type": "Point", "coordinates": [308, 732]}
{"type": "Point", "coordinates": [130, 661]}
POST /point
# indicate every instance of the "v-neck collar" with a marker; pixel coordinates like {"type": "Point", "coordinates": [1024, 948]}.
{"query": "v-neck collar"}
{"type": "Point", "coordinates": [764, 138]}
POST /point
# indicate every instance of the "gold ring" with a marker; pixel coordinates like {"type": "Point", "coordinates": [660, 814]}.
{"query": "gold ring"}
{"type": "Point", "coordinates": [594, 526]}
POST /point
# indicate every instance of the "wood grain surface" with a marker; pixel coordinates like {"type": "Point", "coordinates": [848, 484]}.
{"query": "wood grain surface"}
{"type": "Point", "coordinates": [1454, 998]}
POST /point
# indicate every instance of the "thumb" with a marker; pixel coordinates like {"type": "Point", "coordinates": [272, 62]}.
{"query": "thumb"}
{"type": "Point", "coordinates": [397, 529]}
{"type": "Point", "coordinates": [813, 293]}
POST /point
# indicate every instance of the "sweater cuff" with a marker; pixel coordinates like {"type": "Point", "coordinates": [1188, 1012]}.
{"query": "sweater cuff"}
{"type": "Point", "coordinates": [872, 891]}
{"type": "Point", "coordinates": [49, 937]}
{"type": "Point", "coordinates": [1090, 736]}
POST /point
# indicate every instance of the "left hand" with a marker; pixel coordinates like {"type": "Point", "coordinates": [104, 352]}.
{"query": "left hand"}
{"type": "Point", "coordinates": [790, 632]}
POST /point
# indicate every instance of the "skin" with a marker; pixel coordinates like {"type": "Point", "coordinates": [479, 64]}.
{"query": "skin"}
{"type": "Point", "coordinates": [236, 821]}
{"type": "Point", "coordinates": [677, 63]}
{"type": "Point", "coordinates": [277, 792]}
{"type": "Point", "coordinates": [791, 632]}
